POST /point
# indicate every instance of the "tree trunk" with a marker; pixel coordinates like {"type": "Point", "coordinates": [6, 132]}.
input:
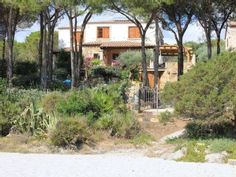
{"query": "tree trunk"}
{"type": "Point", "coordinates": [49, 50]}
{"type": "Point", "coordinates": [144, 61]}
{"type": "Point", "coordinates": [52, 49]}
{"type": "Point", "coordinates": [180, 57]}
{"type": "Point", "coordinates": [77, 59]}
{"type": "Point", "coordinates": [72, 55]}
{"type": "Point", "coordinates": [209, 46]}
{"type": "Point", "coordinates": [80, 59]}
{"type": "Point", "coordinates": [40, 51]}
{"type": "Point", "coordinates": [156, 62]}
{"type": "Point", "coordinates": [3, 56]}
{"type": "Point", "coordinates": [10, 42]}
{"type": "Point", "coordinates": [218, 44]}
{"type": "Point", "coordinates": [44, 74]}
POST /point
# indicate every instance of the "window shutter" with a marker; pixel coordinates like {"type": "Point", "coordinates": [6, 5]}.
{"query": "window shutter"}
{"type": "Point", "coordinates": [105, 32]}
{"type": "Point", "coordinates": [77, 36]}
{"type": "Point", "coordinates": [134, 32]}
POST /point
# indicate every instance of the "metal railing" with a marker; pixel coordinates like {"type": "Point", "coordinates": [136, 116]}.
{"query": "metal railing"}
{"type": "Point", "coordinates": [148, 98]}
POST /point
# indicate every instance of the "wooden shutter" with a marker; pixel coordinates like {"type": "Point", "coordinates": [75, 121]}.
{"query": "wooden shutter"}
{"type": "Point", "coordinates": [134, 32]}
{"type": "Point", "coordinates": [77, 36]}
{"type": "Point", "coordinates": [105, 32]}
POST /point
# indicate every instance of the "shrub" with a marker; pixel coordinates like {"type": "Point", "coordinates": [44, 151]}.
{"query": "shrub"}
{"type": "Point", "coordinates": [50, 101]}
{"type": "Point", "coordinates": [25, 68]}
{"type": "Point", "coordinates": [81, 102]}
{"type": "Point", "coordinates": [34, 121]}
{"type": "Point", "coordinates": [142, 139]}
{"type": "Point", "coordinates": [212, 128]}
{"type": "Point", "coordinates": [206, 91]}
{"type": "Point", "coordinates": [166, 117]}
{"type": "Point", "coordinates": [92, 102]}
{"type": "Point", "coordinates": [195, 153]}
{"type": "Point", "coordinates": [70, 131]}
{"type": "Point", "coordinates": [5, 127]}
{"type": "Point", "coordinates": [96, 62]}
{"type": "Point", "coordinates": [63, 67]}
{"type": "Point", "coordinates": [107, 73]}
{"type": "Point", "coordinates": [121, 125]}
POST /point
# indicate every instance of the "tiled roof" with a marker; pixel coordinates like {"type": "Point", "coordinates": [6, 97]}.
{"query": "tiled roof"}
{"type": "Point", "coordinates": [95, 43]}
{"type": "Point", "coordinates": [112, 44]}
{"type": "Point", "coordinates": [124, 44]}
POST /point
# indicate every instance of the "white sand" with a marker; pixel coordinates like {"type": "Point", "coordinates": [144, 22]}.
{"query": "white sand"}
{"type": "Point", "coordinates": [105, 165]}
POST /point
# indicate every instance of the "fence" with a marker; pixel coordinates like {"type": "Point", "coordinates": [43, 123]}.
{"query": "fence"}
{"type": "Point", "coordinates": [148, 98]}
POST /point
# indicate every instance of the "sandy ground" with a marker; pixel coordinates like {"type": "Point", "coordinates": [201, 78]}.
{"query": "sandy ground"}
{"type": "Point", "coordinates": [105, 165]}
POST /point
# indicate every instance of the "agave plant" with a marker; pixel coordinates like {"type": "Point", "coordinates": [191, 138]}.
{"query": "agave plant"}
{"type": "Point", "coordinates": [34, 121]}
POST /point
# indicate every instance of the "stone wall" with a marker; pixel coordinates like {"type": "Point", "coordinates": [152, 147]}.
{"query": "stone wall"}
{"type": "Point", "coordinates": [171, 72]}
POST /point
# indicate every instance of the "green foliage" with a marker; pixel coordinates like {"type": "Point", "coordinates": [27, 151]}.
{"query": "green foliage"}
{"type": "Point", "coordinates": [211, 145]}
{"type": "Point", "coordinates": [49, 102]}
{"type": "Point", "coordinates": [28, 50]}
{"type": "Point", "coordinates": [63, 66]}
{"type": "Point", "coordinates": [119, 124]}
{"type": "Point", "coordinates": [25, 67]}
{"type": "Point", "coordinates": [142, 139]}
{"type": "Point", "coordinates": [12, 104]}
{"type": "Point", "coordinates": [92, 102]}
{"type": "Point", "coordinates": [96, 62]}
{"type": "Point", "coordinates": [200, 49]}
{"type": "Point", "coordinates": [72, 131]}
{"type": "Point", "coordinates": [133, 58]}
{"type": "Point", "coordinates": [33, 121]}
{"type": "Point", "coordinates": [206, 91]}
{"type": "Point", "coordinates": [165, 117]}
{"type": "Point", "coordinates": [107, 73]}
{"type": "Point", "coordinates": [195, 153]}
{"type": "Point", "coordinates": [213, 128]}
{"type": "Point", "coordinates": [26, 74]}
{"type": "Point", "coordinates": [5, 127]}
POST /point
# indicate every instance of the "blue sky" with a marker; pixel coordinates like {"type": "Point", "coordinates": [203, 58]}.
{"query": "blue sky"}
{"type": "Point", "coordinates": [193, 33]}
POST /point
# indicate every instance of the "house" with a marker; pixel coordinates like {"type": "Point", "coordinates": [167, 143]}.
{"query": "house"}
{"type": "Point", "coordinates": [105, 40]}
{"type": "Point", "coordinates": [230, 36]}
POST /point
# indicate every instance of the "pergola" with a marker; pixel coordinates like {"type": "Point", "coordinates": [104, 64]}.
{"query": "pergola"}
{"type": "Point", "coordinates": [172, 50]}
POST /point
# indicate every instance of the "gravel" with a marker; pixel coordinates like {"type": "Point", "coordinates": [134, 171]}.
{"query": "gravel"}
{"type": "Point", "coordinates": [105, 165]}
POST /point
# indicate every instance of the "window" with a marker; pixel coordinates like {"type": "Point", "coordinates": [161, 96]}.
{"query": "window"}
{"type": "Point", "coordinates": [134, 32]}
{"type": "Point", "coordinates": [115, 56]}
{"type": "Point", "coordinates": [103, 32]}
{"type": "Point", "coordinates": [96, 56]}
{"type": "Point", "coordinates": [77, 36]}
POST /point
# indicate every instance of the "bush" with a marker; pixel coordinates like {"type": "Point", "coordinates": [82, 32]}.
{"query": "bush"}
{"type": "Point", "coordinates": [121, 125]}
{"type": "Point", "coordinates": [166, 117]}
{"type": "Point", "coordinates": [206, 91]}
{"type": "Point", "coordinates": [26, 81]}
{"type": "Point", "coordinates": [25, 68]}
{"type": "Point", "coordinates": [5, 127]}
{"type": "Point", "coordinates": [50, 101]}
{"type": "Point", "coordinates": [81, 102]}
{"type": "Point", "coordinates": [63, 66]}
{"type": "Point", "coordinates": [70, 131]}
{"type": "Point", "coordinates": [213, 128]}
{"type": "Point", "coordinates": [34, 121]}
{"type": "Point", "coordinates": [12, 104]}
{"type": "Point", "coordinates": [92, 102]}
{"type": "Point", "coordinates": [107, 73]}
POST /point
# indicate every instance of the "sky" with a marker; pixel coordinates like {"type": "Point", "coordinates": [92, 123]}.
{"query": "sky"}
{"type": "Point", "coordinates": [193, 33]}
